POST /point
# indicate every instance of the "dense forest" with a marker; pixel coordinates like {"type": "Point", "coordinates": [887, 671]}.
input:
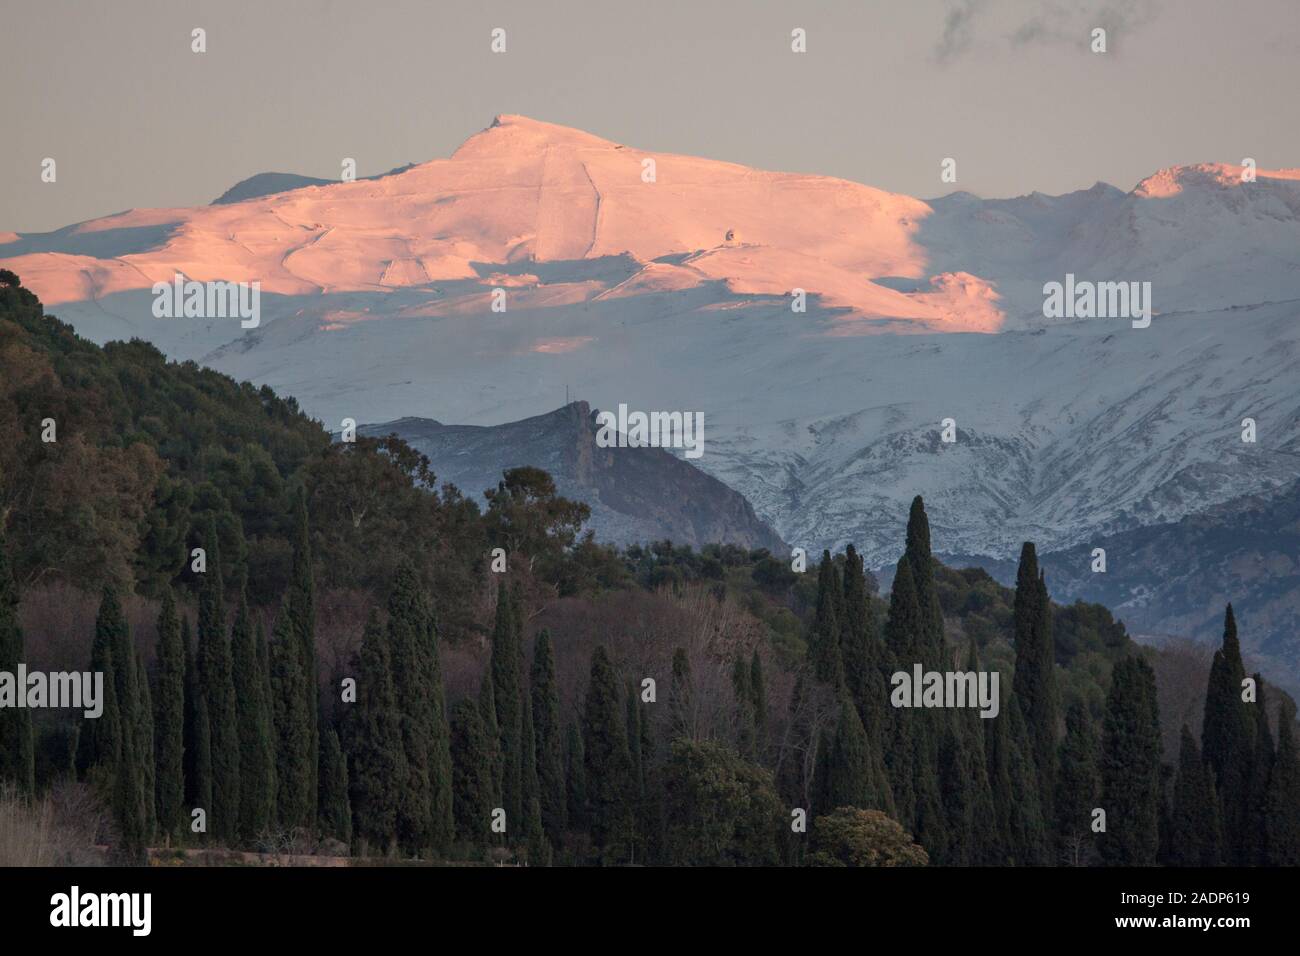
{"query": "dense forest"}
{"type": "Point", "coordinates": [311, 649]}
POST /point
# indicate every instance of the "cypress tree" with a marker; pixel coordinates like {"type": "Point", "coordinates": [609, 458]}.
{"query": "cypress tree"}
{"type": "Point", "coordinates": [824, 637]}
{"type": "Point", "coordinates": [144, 749]}
{"type": "Point", "coordinates": [1195, 838]}
{"type": "Point", "coordinates": [1226, 738]}
{"type": "Point", "coordinates": [442, 822]}
{"type": "Point", "coordinates": [575, 777]}
{"type": "Point", "coordinates": [375, 743]}
{"type": "Point", "coordinates": [1255, 836]}
{"type": "Point", "coordinates": [1130, 766]}
{"type": "Point", "coordinates": [985, 842]}
{"type": "Point", "coordinates": [302, 615]}
{"type": "Point", "coordinates": [1034, 683]}
{"type": "Point", "coordinates": [256, 736]}
{"type": "Point", "coordinates": [856, 639]}
{"type": "Point", "coordinates": [17, 750]}
{"type": "Point", "coordinates": [100, 743]}
{"type": "Point", "coordinates": [539, 850]}
{"type": "Point", "coordinates": [856, 772]}
{"type": "Point", "coordinates": [128, 802]}
{"type": "Point", "coordinates": [550, 741]}
{"type": "Point", "coordinates": [637, 794]}
{"type": "Point", "coordinates": [1028, 825]}
{"type": "Point", "coordinates": [193, 696]}
{"type": "Point", "coordinates": [293, 756]}
{"type": "Point", "coordinates": [405, 634]}
{"type": "Point", "coordinates": [216, 678]}
{"type": "Point", "coordinates": [1283, 822]}
{"type": "Point", "coordinates": [609, 765]}
{"type": "Point", "coordinates": [169, 722]}
{"type": "Point", "coordinates": [902, 635]}
{"type": "Point", "coordinates": [335, 807]}
{"type": "Point", "coordinates": [932, 646]}
{"type": "Point", "coordinates": [487, 711]}
{"type": "Point", "coordinates": [473, 784]}
{"type": "Point", "coordinates": [506, 690]}
{"type": "Point", "coordinates": [1078, 786]}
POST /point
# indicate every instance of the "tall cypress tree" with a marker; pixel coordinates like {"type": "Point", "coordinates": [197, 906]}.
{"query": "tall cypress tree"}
{"type": "Point", "coordinates": [1227, 736]}
{"type": "Point", "coordinates": [144, 747]}
{"type": "Point", "coordinates": [550, 740]}
{"type": "Point", "coordinates": [293, 756]}
{"type": "Point", "coordinates": [857, 645]}
{"type": "Point", "coordinates": [375, 743]}
{"type": "Point", "coordinates": [100, 743]}
{"type": "Point", "coordinates": [1283, 822]}
{"type": "Point", "coordinates": [256, 735]}
{"type": "Point", "coordinates": [637, 796]}
{"type": "Point", "coordinates": [609, 765]}
{"type": "Point", "coordinates": [487, 711]}
{"type": "Point", "coordinates": [334, 805]}
{"type": "Point", "coordinates": [1195, 836]}
{"type": "Point", "coordinates": [1035, 676]}
{"type": "Point", "coordinates": [1130, 766]}
{"type": "Point", "coordinates": [193, 772]}
{"type": "Point", "coordinates": [824, 636]}
{"type": "Point", "coordinates": [902, 636]}
{"type": "Point", "coordinates": [1078, 787]}
{"type": "Point", "coordinates": [17, 751]}
{"type": "Point", "coordinates": [985, 840]}
{"type": "Point", "coordinates": [169, 722]}
{"type": "Point", "coordinates": [539, 849]}
{"type": "Point", "coordinates": [507, 685]}
{"type": "Point", "coordinates": [856, 771]}
{"type": "Point", "coordinates": [1255, 834]}
{"type": "Point", "coordinates": [575, 777]}
{"type": "Point", "coordinates": [473, 784]}
{"type": "Point", "coordinates": [917, 554]}
{"type": "Point", "coordinates": [216, 678]}
{"type": "Point", "coordinates": [406, 626]}
{"type": "Point", "coordinates": [442, 822]}
{"type": "Point", "coordinates": [302, 615]}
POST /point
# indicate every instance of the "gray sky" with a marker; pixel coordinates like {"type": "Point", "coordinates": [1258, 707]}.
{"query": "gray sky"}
{"type": "Point", "coordinates": [886, 90]}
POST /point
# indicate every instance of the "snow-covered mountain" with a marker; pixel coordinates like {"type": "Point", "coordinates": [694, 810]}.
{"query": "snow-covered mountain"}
{"type": "Point", "coordinates": [665, 283]}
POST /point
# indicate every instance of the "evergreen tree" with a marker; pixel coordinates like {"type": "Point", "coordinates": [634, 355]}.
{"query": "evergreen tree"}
{"type": "Point", "coordinates": [824, 637]}
{"type": "Point", "coordinates": [198, 773]}
{"type": "Point", "coordinates": [144, 749]}
{"type": "Point", "coordinates": [1226, 738]}
{"type": "Point", "coordinates": [302, 616]}
{"type": "Point", "coordinates": [487, 711]}
{"type": "Point", "coordinates": [1035, 675]}
{"type": "Point", "coordinates": [550, 741]}
{"type": "Point", "coordinates": [169, 722]}
{"type": "Point", "coordinates": [857, 642]}
{"type": "Point", "coordinates": [1255, 833]}
{"type": "Point", "coordinates": [575, 777]}
{"type": "Point", "coordinates": [378, 756]}
{"type": "Point", "coordinates": [1283, 822]}
{"type": "Point", "coordinates": [293, 756]}
{"type": "Point", "coordinates": [1130, 766]}
{"type": "Point", "coordinates": [507, 689]}
{"type": "Point", "coordinates": [17, 750]}
{"type": "Point", "coordinates": [216, 679]}
{"type": "Point", "coordinates": [406, 625]}
{"type": "Point", "coordinates": [932, 648]}
{"type": "Point", "coordinates": [472, 781]}
{"type": "Point", "coordinates": [609, 765]}
{"type": "Point", "coordinates": [985, 840]}
{"type": "Point", "coordinates": [1078, 787]}
{"type": "Point", "coordinates": [256, 734]}
{"type": "Point", "coordinates": [637, 793]}
{"type": "Point", "coordinates": [1195, 838]}
{"type": "Point", "coordinates": [903, 629]}
{"type": "Point", "coordinates": [856, 775]}
{"type": "Point", "coordinates": [100, 743]}
{"type": "Point", "coordinates": [442, 821]}
{"type": "Point", "coordinates": [335, 807]}
{"type": "Point", "coordinates": [539, 849]}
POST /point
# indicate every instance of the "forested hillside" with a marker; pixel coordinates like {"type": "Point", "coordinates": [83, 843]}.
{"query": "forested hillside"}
{"type": "Point", "coordinates": [307, 649]}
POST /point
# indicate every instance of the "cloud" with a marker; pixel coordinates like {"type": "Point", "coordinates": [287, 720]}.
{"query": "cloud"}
{"type": "Point", "coordinates": [1030, 23]}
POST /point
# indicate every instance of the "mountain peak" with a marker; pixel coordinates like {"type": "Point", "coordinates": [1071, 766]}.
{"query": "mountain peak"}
{"type": "Point", "coordinates": [510, 132]}
{"type": "Point", "coordinates": [1173, 180]}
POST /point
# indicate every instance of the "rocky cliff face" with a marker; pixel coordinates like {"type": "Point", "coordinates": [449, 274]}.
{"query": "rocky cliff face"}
{"type": "Point", "coordinates": [635, 494]}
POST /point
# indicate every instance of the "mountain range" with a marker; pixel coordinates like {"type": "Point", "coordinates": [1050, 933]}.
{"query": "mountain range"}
{"type": "Point", "coordinates": [669, 282]}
